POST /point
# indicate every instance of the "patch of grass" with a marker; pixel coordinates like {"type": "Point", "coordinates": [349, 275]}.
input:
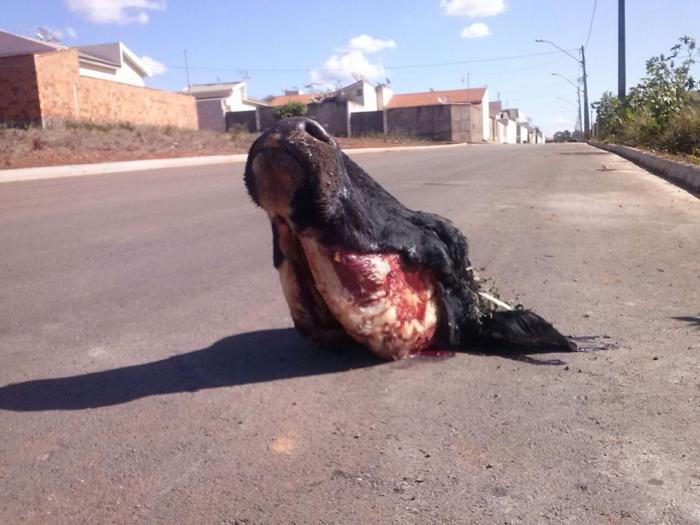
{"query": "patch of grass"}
{"type": "Point", "coordinates": [96, 126]}
{"type": "Point", "coordinates": [78, 142]}
{"type": "Point", "coordinates": [238, 131]}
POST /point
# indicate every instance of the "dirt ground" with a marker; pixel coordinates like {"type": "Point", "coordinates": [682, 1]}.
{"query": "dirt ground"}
{"type": "Point", "coordinates": [91, 143]}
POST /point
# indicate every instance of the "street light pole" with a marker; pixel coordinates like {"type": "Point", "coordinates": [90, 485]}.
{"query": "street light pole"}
{"type": "Point", "coordinates": [586, 114]}
{"type": "Point", "coordinates": [621, 80]}
{"type": "Point", "coordinates": [577, 85]}
{"type": "Point", "coordinates": [582, 62]}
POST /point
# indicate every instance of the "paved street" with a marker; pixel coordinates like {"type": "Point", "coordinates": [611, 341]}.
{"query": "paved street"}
{"type": "Point", "coordinates": [148, 373]}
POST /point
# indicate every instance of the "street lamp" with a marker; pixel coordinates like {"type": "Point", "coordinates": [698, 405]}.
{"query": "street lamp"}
{"type": "Point", "coordinates": [578, 92]}
{"type": "Point", "coordinates": [582, 61]}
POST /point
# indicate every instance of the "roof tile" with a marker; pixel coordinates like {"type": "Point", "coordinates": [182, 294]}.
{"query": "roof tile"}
{"type": "Point", "coordinates": [432, 98]}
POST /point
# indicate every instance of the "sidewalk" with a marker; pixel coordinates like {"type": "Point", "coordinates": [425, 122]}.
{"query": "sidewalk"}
{"type": "Point", "coordinates": [681, 173]}
{"type": "Point", "coordinates": [79, 170]}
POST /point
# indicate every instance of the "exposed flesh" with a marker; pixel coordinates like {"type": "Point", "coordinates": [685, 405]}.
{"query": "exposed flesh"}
{"type": "Point", "coordinates": [379, 301]}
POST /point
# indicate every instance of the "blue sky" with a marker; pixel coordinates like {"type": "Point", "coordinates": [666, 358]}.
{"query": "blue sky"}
{"type": "Point", "coordinates": [291, 44]}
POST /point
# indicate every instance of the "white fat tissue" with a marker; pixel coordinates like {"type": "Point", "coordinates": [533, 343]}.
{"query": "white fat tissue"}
{"type": "Point", "coordinates": [373, 319]}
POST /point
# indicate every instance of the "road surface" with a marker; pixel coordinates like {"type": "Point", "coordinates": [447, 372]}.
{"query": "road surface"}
{"type": "Point", "coordinates": [148, 373]}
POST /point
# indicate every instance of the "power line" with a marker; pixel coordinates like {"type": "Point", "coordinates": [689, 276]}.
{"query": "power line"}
{"type": "Point", "coordinates": [403, 66]}
{"type": "Point", "coordinates": [590, 26]}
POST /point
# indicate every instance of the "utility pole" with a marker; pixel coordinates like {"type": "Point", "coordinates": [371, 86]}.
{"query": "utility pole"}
{"type": "Point", "coordinates": [582, 62]}
{"type": "Point", "coordinates": [577, 85]}
{"type": "Point", "coordinates": [621, 81]}
{"type": "Point", "coordinates": [580, 116]}
{"type": "Point", "coordinates": [586, 114]}
{"type": "Point", "coordinates": [187, 71]}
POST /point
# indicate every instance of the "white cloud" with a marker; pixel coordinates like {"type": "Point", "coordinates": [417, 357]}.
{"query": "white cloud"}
{"type": "Point", "coordinates": [115, 11]}
{"type": "Point", "coordinates": [368, 44]}
{"type": "Point", "coordinates": [70, 32]}
{"type": "Point", "coordinates": [349, 63]}
{"type": "Point", "coordinates": [473, 8]}
{"type": "Point", "coordinates": [475, 30]}
{"type": "Point", "coordinates": [153, 66]}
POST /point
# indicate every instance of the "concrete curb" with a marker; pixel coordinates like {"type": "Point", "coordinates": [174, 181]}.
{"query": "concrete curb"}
{"type": "Point", "coordinates": [686, 175]}
{"type": "Point", "coordinates": [102, 168]}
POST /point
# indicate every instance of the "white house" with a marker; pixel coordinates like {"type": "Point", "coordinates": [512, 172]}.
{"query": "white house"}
{"type": "Point", "coordinates": [215, 100]}
{"type": "Point", "coordinates": [361, 96]}
{"type": "Point", "coordinates": [523, 133]}
{"type": "Point", "coordinates": [507, 120]}
{"type": "Point", "coordinates": [113, 61]}
{"type": "Point", "coordinates": [510, 131]}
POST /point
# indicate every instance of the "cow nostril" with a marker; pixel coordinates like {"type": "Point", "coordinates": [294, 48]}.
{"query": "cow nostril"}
{"type": "Point", "coordinates": [315, 129]}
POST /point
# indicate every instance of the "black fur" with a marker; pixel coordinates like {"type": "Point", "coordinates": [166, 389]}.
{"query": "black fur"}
{"type": "Point", "coordinates": [338, 198]}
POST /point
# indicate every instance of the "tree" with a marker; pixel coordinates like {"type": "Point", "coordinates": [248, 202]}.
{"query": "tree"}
{"type": "Point", "coordinates": [611, 115]}
{"type": "Point", "coordinates": [665, 90]}
{"type": "Point", "coordinates": [659, 111]}
{"type": "Point", "coordinates": [290, 109]}
{"type": "Point", "coordinates": [564, 136]}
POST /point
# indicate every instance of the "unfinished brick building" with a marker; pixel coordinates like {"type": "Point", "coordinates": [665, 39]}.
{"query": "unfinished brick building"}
{"type": "Point", "coordinates": [51, 85]}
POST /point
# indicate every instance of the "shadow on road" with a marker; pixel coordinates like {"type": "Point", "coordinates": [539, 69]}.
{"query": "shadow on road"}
{"type": "Point", "coordinates": [692, 320]}
{"type": "Point", "coordinates": [241, 359]}
{"type": "Point", "coordinates": [252, 357]}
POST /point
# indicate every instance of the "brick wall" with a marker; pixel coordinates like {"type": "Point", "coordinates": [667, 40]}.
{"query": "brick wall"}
{"type": "Point", "coordinates": [107, 101]}
{"type": "Point", "coordinates": [63, 94]}
{"type": "Point", "coordinates": [332, 115]}
{"type": "Point", "coordinates": [211, 115]}
{"type": "Point", "coordinates": [19, 95]}
{"type": "Point", "coordinates": [366, 122]}
{"type": "Point", "coordinates": [56, 77]}
{"type": "Point", "coordinates": [428, 122]}
{"type": "Point", "coordinates": [247, 119]}
{"type": "Point", "coordinates": [467, 123]}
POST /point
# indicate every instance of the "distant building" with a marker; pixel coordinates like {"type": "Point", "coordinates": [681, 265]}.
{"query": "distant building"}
{"type": "Point", "coordinates": [477, 97]}
{"type": "Point", "coordinates": [454, 115]}
{"type": "Point", "coordinates": [496, 127]}
{"type": "Point", "coordinates": [506, 120]}
{"type": "Point", "coordinates": [215, 100]}
{"type": "Point", "coordinates": [294, 95]}
{"type": "Point", "coordinates": [113, 61]}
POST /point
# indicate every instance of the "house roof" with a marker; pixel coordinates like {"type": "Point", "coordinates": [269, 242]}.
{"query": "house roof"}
{"type": "Point", "coordinates": [12, 44]}
{"type": "Point", "coordinates": [255, 101]}
{"type": "Point", "coordinates": [113, 54]}
{"type": "Point", "coordinates": [281, 100]}
{"type": "Point", "coordinates": [495, 108]}
{"type": "Point", "coordinates": [513, 113]}
{"type": "Point", "coordinates": [213, 88]}
{"type": "Point", "coordinates": [212, 91]}
{"type": "Point", "coordinates": [94, 58]}
{"type": "Point", "coordinates": [433, 98]}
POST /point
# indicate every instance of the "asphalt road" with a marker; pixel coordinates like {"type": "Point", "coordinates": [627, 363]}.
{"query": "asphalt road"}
{"type": "Point", "coordinates": [148, 373]}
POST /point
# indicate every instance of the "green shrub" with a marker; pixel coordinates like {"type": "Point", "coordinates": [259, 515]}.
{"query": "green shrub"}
{"type": "Point", "coordinates": [236, 131]}
{"type": "Point", "coordinates": [683, 133]}
{"type": "Point", "coordinates": [660, 111]}
{"type": "Point", "coordinates": [290, 109]}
